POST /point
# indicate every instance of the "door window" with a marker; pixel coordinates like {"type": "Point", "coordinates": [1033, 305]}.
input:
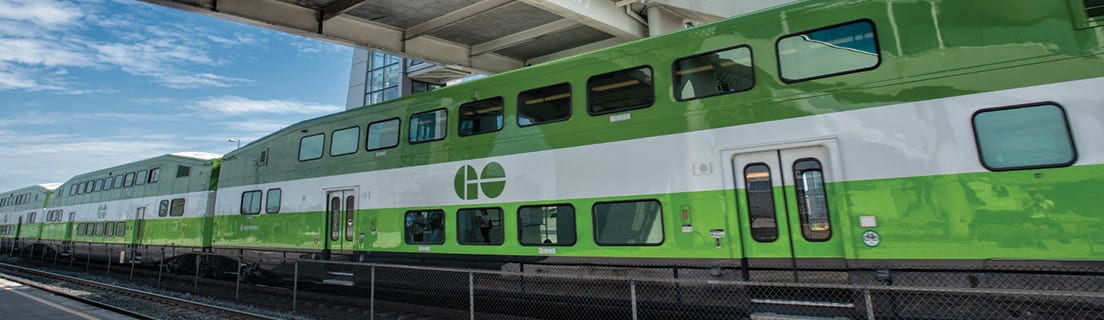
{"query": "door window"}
{"type": "Point", "coordinates": [812, 202]}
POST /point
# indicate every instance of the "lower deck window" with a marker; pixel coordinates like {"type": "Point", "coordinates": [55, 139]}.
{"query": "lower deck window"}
{"type": "Point", "coordinates": [425, 227]}
{"type": "Point", "coordinates": [628, 223]}
{"type": "Point", "coordinates": [177, 207]}
{"type": "Point", "coordinates": [479, 226]}
{"type": "Point", "coordinates": [547, 225]}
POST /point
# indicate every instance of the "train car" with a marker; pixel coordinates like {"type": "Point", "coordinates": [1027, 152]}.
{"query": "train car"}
{"type": "Point", "coordinates": [822, 141]}
{"type": "Point", "coordinates": [24, 218]}
{"type": "Point", "coordinates": [147, 211]}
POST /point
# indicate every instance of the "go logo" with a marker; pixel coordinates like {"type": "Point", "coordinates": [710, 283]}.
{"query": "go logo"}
{"type": "Point", "coordinates": [492, 180]}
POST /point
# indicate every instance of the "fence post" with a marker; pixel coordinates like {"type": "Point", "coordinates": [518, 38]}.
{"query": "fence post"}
{"type": "Point", "coordinates": [869, 304]}
{"type": "Point", "coordinates": [471, 294]}
{"type": "Point", "coordinates": [237, 281]}
{"type": "Point", "coordinates": [132, 256]}
{"type": "Point", "coordinates": [160, 266]}
{"type": "Point", "coordinates": [295, 288]}
{"type": "Point", "coordinates": [632, 289]}
{"type": "Point", "coordinates": [372, 295]}
{"type": "Point", "coordinates": [88, 258]}
{"type": "Point", "coordinates": [195, 281]}
{"type": "Point", "coordinates": [107, 251]}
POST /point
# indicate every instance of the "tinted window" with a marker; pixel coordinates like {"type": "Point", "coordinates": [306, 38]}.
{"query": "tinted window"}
{"type": "Point", "coordinates": [481, 116]}
{"type": "Point", "coordinates": [344, 141]}
{"type": "Point", "coordinates": [273, 205]}
{"type": "Point", "coordinates": [99, 228]}
{"type": "Point", "coordinates": [812, 201]}
{"type": "Point", "coordinates": [143, 176]}
{"type": "Point", "coordinates": [310, 147]}
{"type": "Point", "coordinates": [383, 134]}
{"type": "Point", "coordinates": [1024, 137]}
{"type": "Point", "coordinates": [428, 126]}
{"type": "Point", "coordinates": [99, 185]}
{"type": "Point", "coordinates": [425, 227]}
{"type": "Point", "coordinates": [759, 188]}
{"type": "Point", "coordinates": [177, 208]}
{"type": "Point", "coordinates": [544, 105]}
{"type": "Point", "coordinates": [155, 175]}
{"type": "Point", "coordinates": [129, 179]}
{"type": "Point", "coordinates": [620, 90]}
{"type": "Point", "coordinates": [479, 226]}
{"type": "Point", "coordinates": [714, 73]}
{"type": "Point", "coordinates": [163, 209]}
{"type": "Point", "coordinates": [120, 229]}
{"type": "Point", "coordinates": [628, 223]}
{"type": "Point", "coordinates": [251, 202]}
{"type": "Point", "coordinates": [109, 229]}
{"type": "Point", "coordinates": [829, 51]}
{"type": "Point", "coordinates": [546, 225]}
{"type": "Point", "coordinates": [118, 182]}
{"type": "Point", "coordinates": [183, 171]}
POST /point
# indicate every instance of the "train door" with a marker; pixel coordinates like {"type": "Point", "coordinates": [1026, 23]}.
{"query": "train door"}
{"type": "Point", "coordinates": [69, 226]}
{"type": "Point", "coordinates": [340, 211]}
{"type": "Point", "coordinates": [786, 226]}
{"type": "Point", "coordinates": [139, 231]}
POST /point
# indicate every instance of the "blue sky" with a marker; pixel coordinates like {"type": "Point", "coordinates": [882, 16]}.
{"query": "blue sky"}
{"type": "Point", "coordinates": [90, 84]}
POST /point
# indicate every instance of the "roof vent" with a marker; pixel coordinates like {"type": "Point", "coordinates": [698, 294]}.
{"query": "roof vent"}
{"type": "Point", "coordinates": [1094, 8]}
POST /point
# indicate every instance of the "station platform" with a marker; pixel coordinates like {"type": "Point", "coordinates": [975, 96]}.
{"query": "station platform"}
{"type": "Point", "coordinates": [20, 302]}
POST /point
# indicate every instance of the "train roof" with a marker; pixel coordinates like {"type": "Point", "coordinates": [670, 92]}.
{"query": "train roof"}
{"type": "Point", "coordinates": [177, 157]}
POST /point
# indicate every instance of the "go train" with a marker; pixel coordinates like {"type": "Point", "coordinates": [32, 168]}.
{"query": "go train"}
{"type": "Point", "coordinates": [838, 137]}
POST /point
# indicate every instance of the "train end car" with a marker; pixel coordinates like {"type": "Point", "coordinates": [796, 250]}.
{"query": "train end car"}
{"type": "Point", "coordinates": [24, 217]}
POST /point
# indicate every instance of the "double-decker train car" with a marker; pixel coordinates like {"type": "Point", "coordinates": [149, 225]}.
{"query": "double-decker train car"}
{"type": "Point", "coordinates": [152, 211]}
{"type": "Point", "coordinates": [23, 217]}
{"type": "Point", "coordinates": [815, 141]}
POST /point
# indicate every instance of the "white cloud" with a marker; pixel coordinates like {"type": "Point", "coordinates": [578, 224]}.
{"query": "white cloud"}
{"type": "Point", "coordinates": [256, 126]}
{"type": "Point", "coordinates": [240, 105]}
{"type": "Point", "coordinates": [44, 13]}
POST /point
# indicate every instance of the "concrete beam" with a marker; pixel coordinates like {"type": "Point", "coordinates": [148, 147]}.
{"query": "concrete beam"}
{"type": "Point", "coordinates": [522, 36]}
{"type": "Point", "coordinates": [720, 9]}
{"type": "Point", "coordinates": [597, 14]}
{"type": "Point", "coordinates": [576, 50]}
{"type": "Point", "coordinates": [339, 7]}
{"type": "Point", "coordinates": [453, 17]}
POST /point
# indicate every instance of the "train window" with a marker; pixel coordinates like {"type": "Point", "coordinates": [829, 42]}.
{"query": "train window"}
{"type": "Point", "coordinates": [163, 209]}
{"type": "Point", "coordinates": [129, 179]}
{"type": "Point", "coordinates": [428, 126]}
{"type": "Point", "coordinates": [118, 183]}
{"type": "Point", "coordinates": [310, 147]}
{"type": "Point", "coordinates": [155, 175]}
{"type": "Point", "coordinates": [106, 183]}
{"type": "Point", "coordinates": [177, 208]}
{"type": "Point", "coordinates": [87, 187]}
{"type": "Point", "coordinates": [831, 51]}
{"type": "Point", "coordinates": [481, 116]}
{"type": "Point", "coordinates": [479, 226]}
{"type": "Point", "coordinates": [183, 171]}
{"type": "Point", "coordinates": [425, 227]}
{"type": "Point", "coordinates": [109, 229]}
{"type": "Point", "coordinates": [350, 211]}
{"type": "Point", "coordinates": [251, 202]}
{"type": "Point", "coordinates": [120, 229]}
{"type": "Point", "coordinates": [544, 105]}
{"type": "Point", "coordinates": [628, 223]}
{"type": "Point", "coordinates": [143, 176]}
{"type": "Point", "coordinates": [32, 217]}
{"type": "Point", "coordinates": [273, 205]}
{"type": "Point", "coordinates": [344, 141]}
{"type": "Point", "coordinates": [620, 90]}
{"type": "Point", "coordinates": [714, 73]}
{"type": "Point", "coordinates": [99, 185]}
{"type": "Point", "coordinates": [759, 188]}
{"type": "Point", "coordinates": [1024, 137]}
{"type": "Point", "coordinates": [99, 229]}
{"type": "Point", "coordinates": [546, 225]}
{"type": "Point", "coordinates": [383, 134]}
{"type": "Point", "coordinates": [812, 201]}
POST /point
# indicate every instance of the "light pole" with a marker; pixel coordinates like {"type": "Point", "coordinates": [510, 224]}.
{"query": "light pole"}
{"type": "Point", "coordinates": [235, 140]}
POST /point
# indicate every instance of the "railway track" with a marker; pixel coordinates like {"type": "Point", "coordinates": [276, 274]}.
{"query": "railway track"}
{"type": "Point", "coordinates": [132, 302]}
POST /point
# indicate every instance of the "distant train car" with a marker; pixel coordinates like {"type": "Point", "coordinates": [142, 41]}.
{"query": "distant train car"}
{"type": "Point", "coordinates": [24, 217]}
{"type": "Point", "coordinates": [821, 137]}
{"type": "Point", "coordinates": [150, 210]}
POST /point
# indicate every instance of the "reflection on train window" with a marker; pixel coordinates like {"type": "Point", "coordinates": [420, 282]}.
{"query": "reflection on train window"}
{"type": "Point", "coordinates": [544, 105]}
{"type": "Point", "coordinates": [109, 229]}
{"type": "Point", "coordinates": [177, 207]}
{"type": "Point", "coordinates": [129, 179]}
{"type": "Point", "coordinates": [428, 126]}
{"type": "Point", "coordinates": [481, 116]}
{"type": "Point", "coordinates": [383, 134]}
{"type": "Point", "coordinates": [620, 90]}
{"type": "Point", "coordinates": [310, 147]}
{"type": "Point", "coordinates": [425, 227]}
{"type": "Point", "coordinates": [251, 202]}
{"type": "Point", "coordinates": [99, 229]}
{"type": "Point", "coordinates": [830, 51]}
{"type": "Point", "coordinates": [274, 198]}
{"type": "Point", "coordinates": [120, 229]}
{"type": "Point", "coordinates": [118, 182]}
{"type": "Point", "coordinates": [155, 175]}
{"type": "Point", "coordinates": [1024, 137]}
{"type": "Point", "coordinates": [628, 223]}
{"type": "Point", "coordinates": [143, 175]}
{"type": "Point", "coordinates": [760, 201]}
{"type": "Point", "coordinates": [714, 73]}
{"type": "Point", "coordinates": [548, 225]}
{"type": "Point", "coordinates": [163, 209]}
{"type": "Point", "coordinates": [344, 141]}
{"type": "Point", "coordinates": [812, 201]}
{"type": "Point", "coordinates": [479, 226]}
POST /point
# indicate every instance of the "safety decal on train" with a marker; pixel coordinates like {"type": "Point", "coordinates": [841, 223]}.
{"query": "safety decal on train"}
{"type": "Point", "coordinates": [491, 180]}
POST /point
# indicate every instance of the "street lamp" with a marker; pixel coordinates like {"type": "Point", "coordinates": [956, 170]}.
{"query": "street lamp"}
{"type": "Point", "coordinates": [235, 140]}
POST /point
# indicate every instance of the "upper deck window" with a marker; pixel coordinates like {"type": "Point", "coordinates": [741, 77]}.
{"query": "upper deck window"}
{"type": "Point", "coordinates": [428, 126]}
{"type": "Point", "coordinates": [344, 141]}
{"type": "Point", "coordinates": [155, 175]}
{"type": "Point", "coordinates": [620, 90]}
{"type": "Point", "coordinates": [830, 51]}
{"type": "Point", "coordinates": [481, 116]}
{"type": "Point", "coordinates": [383, 134]}
{"type": "Point", "coordinates": [544, 105]}
{"type": "Point", "coordinates": [1024, 137]}
{"type": "Point", "coordinates": [714, 73]}
{"type": "Point", "coordinates": [143, 176]}
{"type": "Point", "coordinates": [310, 147]}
